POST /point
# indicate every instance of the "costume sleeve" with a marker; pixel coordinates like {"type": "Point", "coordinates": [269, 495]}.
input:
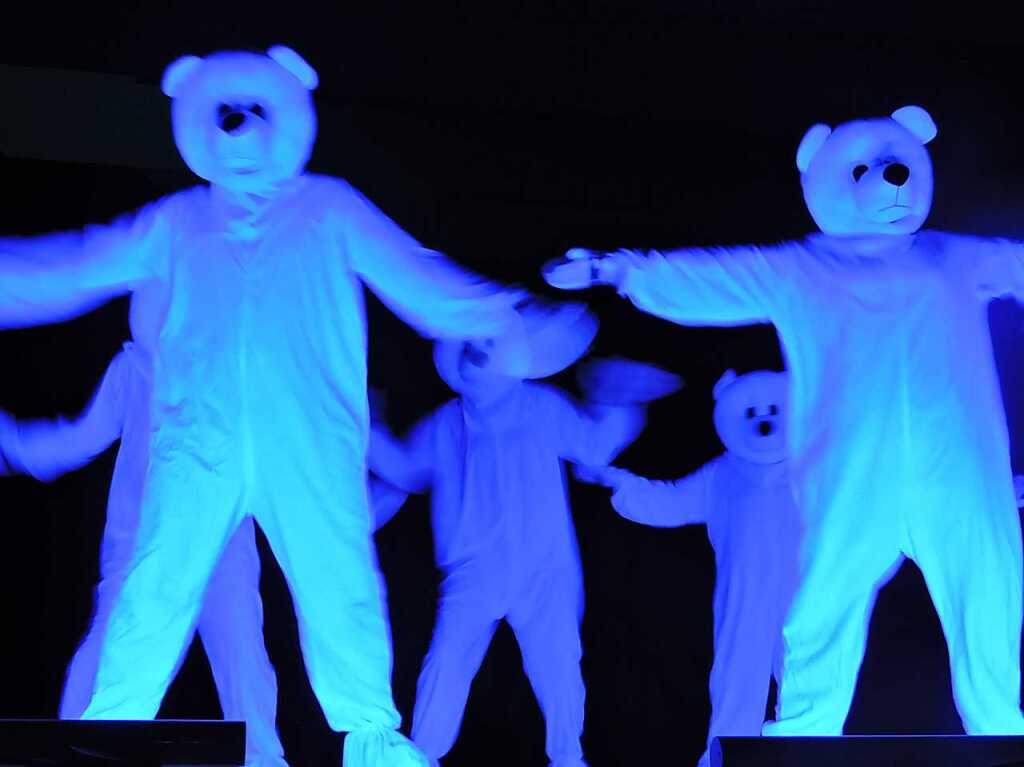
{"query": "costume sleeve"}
{"type": "Point", "coordinates": [46, 449]}
{"type": "Point", "coordinates": [998, 265]}
{"type": "Point", "coordinates": [53, 277]}
{"type": "Point", "coordinates": [588, 433]}
{"type": "Point", "coordinates": [715, 286]}
{"type": "Point", "coordinates": [658, 503]}
{"type": "Point", "coordinates": [423, 287]}
{"type": "Point", "coordinates": [406, 464]}
{"type": "Point", "coordinates": [385, 501]}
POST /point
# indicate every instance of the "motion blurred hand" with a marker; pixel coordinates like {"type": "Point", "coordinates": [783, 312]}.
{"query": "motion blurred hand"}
{"type": "Point", "coordinates": [581, 268]}
{"type": "Point", "coordinates": [606, 476]}
{"type": "Point", "coordinates": [620, 381]}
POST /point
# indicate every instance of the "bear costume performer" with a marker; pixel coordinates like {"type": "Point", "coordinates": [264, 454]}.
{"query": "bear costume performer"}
{"type": "Point", "coordinates": [231, 621]}
{"type": "Point", "coordinates": [259, 403]}
{"type": "Point", "coordinates": [745, 498]}
{"type": "Point", "coordinates": [897, 440]}
{"type": "Point", "coordinates": [503, 534]}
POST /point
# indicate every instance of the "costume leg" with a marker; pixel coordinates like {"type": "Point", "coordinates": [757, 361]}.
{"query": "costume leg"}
{"type": "Point", "coordinates": [966, 538]}
{"type": "Point", "coordinates": [747, 635]}
{"type": "Point", "coordinates": [466, 621]}
{"type": "Point", "coordinates": [186, 518]}
{"type": "Point", "coordinates": [850, 550]}
{"type": "Point", "coordinates": [80, 679]}
{"type": "Point", "coordinates": [546, 620]}
{"type": "Point", "coordinates": [320, 533]}
{"type": "Point", "coordinates": [231, 627]}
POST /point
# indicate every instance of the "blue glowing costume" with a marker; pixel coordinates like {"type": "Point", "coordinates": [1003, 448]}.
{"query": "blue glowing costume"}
{"type": "Point", "coordinates": [505, 541]}
{"type": "Point", "coordinates": [898, 439]}
{"type": "Point", "coordinates": [230, 623]}
{"type": "Point", "coordinates": [745, 499]}
{"type": "Point", "coordinates": [259, 404]}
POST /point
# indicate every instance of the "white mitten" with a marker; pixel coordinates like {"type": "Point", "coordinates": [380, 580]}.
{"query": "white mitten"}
{"type": "Point", "coordinates": [579, 268]}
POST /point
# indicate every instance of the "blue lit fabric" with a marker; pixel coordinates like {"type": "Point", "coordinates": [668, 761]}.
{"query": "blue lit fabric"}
{"type": "Point", "coordinates": [259, 403]}
{"type": "Point", "coordinates": [230, 622]}
{"type": "Point", "coordinates": [505, 540]}
{"type": "Point", "coordinates": [898, 440]}
{"type": "Point", "coordinates": [745, 499]}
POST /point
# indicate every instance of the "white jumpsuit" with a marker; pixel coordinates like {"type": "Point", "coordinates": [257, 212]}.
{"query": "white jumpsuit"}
{"type": "Point", "coordinates": [231, 620]}
{"type": "Point", "coordinates": [505, 541]}
{"type": "Point", "coordinates": [259, 409]}
{"type": "Point", "coordinates": [754, 529]}
{"type": "Point", "coordinates": [898, 446]}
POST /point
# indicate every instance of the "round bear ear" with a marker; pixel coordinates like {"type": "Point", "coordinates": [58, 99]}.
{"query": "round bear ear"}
{"type": "Point", "coordinates": [812, 141]}
{"type": "Point", "coordinates": [177, 73]}
{"type": "Point", "coordinates": [917, 121]}
{"type": "Point", "coordinates": [723, 383]}
{"type": "Point", "coordinates": [295, 64]}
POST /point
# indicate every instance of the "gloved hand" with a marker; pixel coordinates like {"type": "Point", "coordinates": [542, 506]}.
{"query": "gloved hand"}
{"type": "Point", "coordinates": [607, 476]}
{"type": "Point", "coordinates": [620, 381]}
{"type": "Point", "coordinates": [582, 268]}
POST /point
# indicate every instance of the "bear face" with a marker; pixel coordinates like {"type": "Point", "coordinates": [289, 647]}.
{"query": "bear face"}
{"type": "Point", "coordinates": [540, 340]}
{"type": "Point", "coordinates": [750, 415]}
{"type": "Point", "coordinates": [244, 121]}
{"type": "Point", "coordinates": [869, 177]}
{"type": "Point", "coordinates": [479, 368]}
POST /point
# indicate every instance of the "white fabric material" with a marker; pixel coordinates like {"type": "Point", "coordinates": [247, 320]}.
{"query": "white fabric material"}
{"type": "Point", "coordinates": [898, 445]}
{"type": "Point", "coordinates": [380, 747]}
{"type": "Point", "coordinates": [259, 409]}
{"type": "Point", "coordinates": [505, 541]}
{"type": "Point", "coordinates": [230, 623]}
{"type": "Point", "coordinates": [754, 529]}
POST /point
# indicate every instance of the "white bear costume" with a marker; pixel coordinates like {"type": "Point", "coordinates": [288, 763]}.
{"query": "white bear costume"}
{"type": "Point", "coordinates": [259, 373]}
{"type": "Point", "coordinates": [745, 498]}
{"type": "Point", "coordinates": [504, 538]}
{"type": "Point", "coordinates": [898, 441]}
{"type": "Point", "coordinates": [230, 623]}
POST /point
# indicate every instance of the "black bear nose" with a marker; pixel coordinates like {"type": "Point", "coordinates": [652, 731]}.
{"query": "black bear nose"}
{"type": "Point", "coordinates": [766, 428]}
{"type": "Point", "coordinates": [232, 121]}
{"type": "Point", "coordinates": [896, 173]}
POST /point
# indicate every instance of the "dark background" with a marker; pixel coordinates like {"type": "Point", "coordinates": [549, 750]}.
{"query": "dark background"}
{"type": "Point", "coordinates": [502, 133]}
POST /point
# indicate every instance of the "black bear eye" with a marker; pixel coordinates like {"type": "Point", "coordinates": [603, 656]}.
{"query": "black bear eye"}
{"type": "Point", "coordinates": [774, 410]}
{"type": "Point", "coordinates": [258, 110]}
{"type": "Point", "coordinates": [751, 412]}
{"type": "Point", "coordinates": [859, 171]}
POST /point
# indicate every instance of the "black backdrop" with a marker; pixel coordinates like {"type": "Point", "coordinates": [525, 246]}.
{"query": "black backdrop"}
{"type": "Point", "coordinates": [502, 133]}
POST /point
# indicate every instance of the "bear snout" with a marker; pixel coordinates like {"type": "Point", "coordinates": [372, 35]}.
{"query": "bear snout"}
{"type": "Point", "coordinates": [766, 428]}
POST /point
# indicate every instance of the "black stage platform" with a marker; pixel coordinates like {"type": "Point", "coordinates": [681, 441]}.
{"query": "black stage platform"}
{"type": "Point", "coordinates": [163, 743]}
{"type": "Point", "coordinates": [870, 751]}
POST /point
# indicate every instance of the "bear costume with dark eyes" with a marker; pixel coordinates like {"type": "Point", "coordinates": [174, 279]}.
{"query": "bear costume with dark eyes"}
{"type": "Point", "coordinates": [745, 499]}
{"type": "Point", "coordinates": [248, 298]}
{"type": "Point", "coordinates": [897, 440]}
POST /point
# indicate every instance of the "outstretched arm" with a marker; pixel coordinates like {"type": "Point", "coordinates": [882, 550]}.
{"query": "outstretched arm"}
{"type": "Point", "coordinates": [46, 449]}
{"type": "Point", "coordinates": [998, 265]}
{"type": "Point", "coordinates": [589, 433]}
{"type": "Point", "coordinates": [405, 464]}
{"type": "Point", "coordinates": [656, 503]}
{"type": "Point", "coordinates": [385, 501]}
{"type": "Point", "coordinates": [696, 286]}
{"type": "Point", "coordinates": [53, 277]}
{"type": "Point", "coordinates": [427, 290]}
